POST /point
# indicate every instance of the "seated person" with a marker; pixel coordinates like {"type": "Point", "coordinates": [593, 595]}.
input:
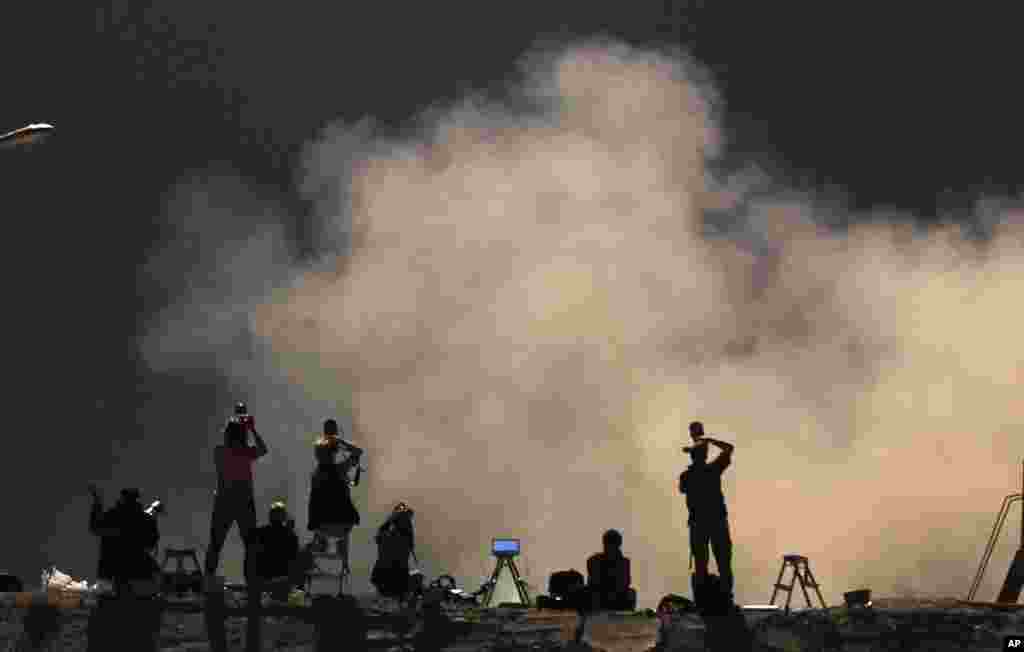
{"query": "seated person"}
{"type": "Point", "coordinates": [609, 578]}
{"type": "Point", "coordinates": [273, 552]}
{"type": "Point", "coordinates": [396, 542]}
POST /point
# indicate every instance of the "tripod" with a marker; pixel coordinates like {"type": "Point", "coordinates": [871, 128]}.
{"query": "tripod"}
{"type": "Point", "coordinates": [505, 561]}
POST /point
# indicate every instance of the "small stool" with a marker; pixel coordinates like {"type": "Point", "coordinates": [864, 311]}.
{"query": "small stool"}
{"type": "Point", "coordinates": [319, 550]}
{"type": "Point", "coordinates": [317, 572]}
{"type": "Point", "coordinates": [180, 579]}
{"type": "Point", "coordinates": [802, 574]}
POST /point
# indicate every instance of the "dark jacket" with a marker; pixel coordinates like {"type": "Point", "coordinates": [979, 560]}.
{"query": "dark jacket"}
{"type": "Point", "coordinates": [609, 574]}
{"type": "Point", "coordinates": [702, 484]}
{"type": "Point", "coordinates": [127, 536]}
{"type": "Point", "coordinates": [276, 549]}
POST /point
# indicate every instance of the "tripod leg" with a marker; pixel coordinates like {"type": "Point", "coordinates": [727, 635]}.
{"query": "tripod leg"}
{"type": "Point", "coordinates": [492, 584]}
{"type": "Point", "coordinates": [520, 589]}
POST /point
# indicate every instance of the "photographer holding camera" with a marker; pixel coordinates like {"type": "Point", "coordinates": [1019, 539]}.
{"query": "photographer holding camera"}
{"type": "Point", "coordinates": [701, 483]}
{"type": "Point", "coordinates": [331, 510]}
{"type": "Point", "coordinates": [234, 500]}
{"type": "Point", "coordinates": [128, 537]}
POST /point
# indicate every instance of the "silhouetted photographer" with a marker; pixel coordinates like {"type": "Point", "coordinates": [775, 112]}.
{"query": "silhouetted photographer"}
{"type": "Point", "coordinates": [396, 542]}
{"type": "Point", "coordinates": [272, 554]}
{"type": "Point", "coordinates": [234, 501]}
{"type": "Point", "coordinates": [331, 510]}
{"type": "Point", "coordinates": [128, 537]}
{"type": "Point", "coordinates": [701, 483]}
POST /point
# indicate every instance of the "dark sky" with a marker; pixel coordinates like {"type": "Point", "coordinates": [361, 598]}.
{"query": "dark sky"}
{"type": "Point", "coordinates": [917, 112]}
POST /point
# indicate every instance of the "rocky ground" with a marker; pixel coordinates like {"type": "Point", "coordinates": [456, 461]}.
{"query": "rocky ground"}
{"type": "Point", "coordinates": [933, 626]}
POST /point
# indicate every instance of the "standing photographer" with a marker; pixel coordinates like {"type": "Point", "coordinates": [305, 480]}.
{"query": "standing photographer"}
{"type": "Point", "coordinates": [701, 483]}
{"type": "Point", "coordinates": [234, 500]}
{"type": "Point", "coordinates": [331, 510]}
{"type": "Point", "coordinates": [128, 537]}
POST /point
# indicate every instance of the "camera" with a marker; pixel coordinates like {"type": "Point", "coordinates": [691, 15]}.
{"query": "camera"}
{"type": "Point", "coordinates": [505, 547]}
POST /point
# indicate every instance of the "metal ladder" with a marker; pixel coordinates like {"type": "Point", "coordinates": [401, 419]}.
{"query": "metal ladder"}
{"type": "Point", "coordinates": [179, 579]}
{"type": "Point", "coordinates": [801, 574]}
{"type": "Point", "coordinates": [343, 576]}
{"type": "Point", "coordinates": [992, 540]}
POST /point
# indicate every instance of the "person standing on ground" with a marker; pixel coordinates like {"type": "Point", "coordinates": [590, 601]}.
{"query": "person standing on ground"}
{"type": "Point", "coordinates": [234, 501]}
{"type": "Point", "coordinates": [701, 483]}
{"type": "Point", "coordinates": [128, 537]}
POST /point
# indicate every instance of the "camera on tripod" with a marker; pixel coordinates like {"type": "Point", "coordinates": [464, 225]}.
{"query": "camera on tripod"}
{"type": "Point", "coordinates": [505, 547]}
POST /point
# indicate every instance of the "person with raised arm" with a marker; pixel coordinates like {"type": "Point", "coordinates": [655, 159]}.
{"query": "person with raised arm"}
{"type": "Point", "coordinates": [701, 483]}
{"type": "Point", "coordinates": [234, 500]}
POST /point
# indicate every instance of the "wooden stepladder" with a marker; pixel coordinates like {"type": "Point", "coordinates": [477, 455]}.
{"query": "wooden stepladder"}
{"type": "Point", "coordinates": [801, 575]}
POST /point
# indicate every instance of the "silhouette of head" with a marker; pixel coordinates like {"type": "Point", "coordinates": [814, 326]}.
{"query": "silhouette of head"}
{"type": "Point", "coordinates": [278, 513]}
{"type": "Point", "coordinates": [234, 434]}
{"type": "Point", "coordinates": [331, 427]}
{"type": "Point", "coordinates": [612, 541]}
{"type": "Point", "coordinates": [696, 429]}
{"type": "Point", "coordinates": [130, 496]}
{"type": "Point", "coordinates": [699, 454]}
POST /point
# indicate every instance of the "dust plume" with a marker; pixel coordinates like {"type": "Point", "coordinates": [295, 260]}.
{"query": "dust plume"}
{"type": "Point", "coordinates": [524, 302]}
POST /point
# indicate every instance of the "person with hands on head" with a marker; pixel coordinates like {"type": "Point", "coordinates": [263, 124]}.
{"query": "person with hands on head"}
{"type": "Point", "coordinates": [234, 501]}
{"type": "Point", "coordinates": [701, 483]}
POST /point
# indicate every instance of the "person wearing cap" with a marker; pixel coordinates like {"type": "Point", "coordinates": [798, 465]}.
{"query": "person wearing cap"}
{"type": "Point", "coordinates": [128, 538]}
{"type": "Point", "coordinates": [273, 550]}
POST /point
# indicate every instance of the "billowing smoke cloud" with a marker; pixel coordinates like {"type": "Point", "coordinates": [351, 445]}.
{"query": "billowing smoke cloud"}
{"type": "Point", "coordinates": [522, 303]}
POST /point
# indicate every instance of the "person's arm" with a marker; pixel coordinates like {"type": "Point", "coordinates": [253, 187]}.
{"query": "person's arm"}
{"type": "Point", "coordinates": [593, 572]}
{"type": "Point", "coordinates": [261, 446]}
{"type": "Point", "coordinates": [218, 464]}
{"type": "Point", "coordinates": [724, 458]}
{"type": "Point", "coordinates": [96, 512]}
{"type": "Point", "coordinates": [350, 462]}
{"type": "Point", "coordinates": [106, 525]}
{"type": "Point", "coordinates": [351, 448]}
{"type": "Point", "coordinates": [725, 447]}
{"type": "Point", "coordinates": [101, 524]}
{"type": "Point", "coordinates": [152, 533]}
{"type": "Point", "coordinates": [293, 546]}
{"type": "Point", "coordinates": [683, 482]}
{"type": "Point", "coordinates": [628, 575]}
{"type": "Point", "coordinates": [412, 542]}
{"type": "Point", "coordinates": [354, 455]}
